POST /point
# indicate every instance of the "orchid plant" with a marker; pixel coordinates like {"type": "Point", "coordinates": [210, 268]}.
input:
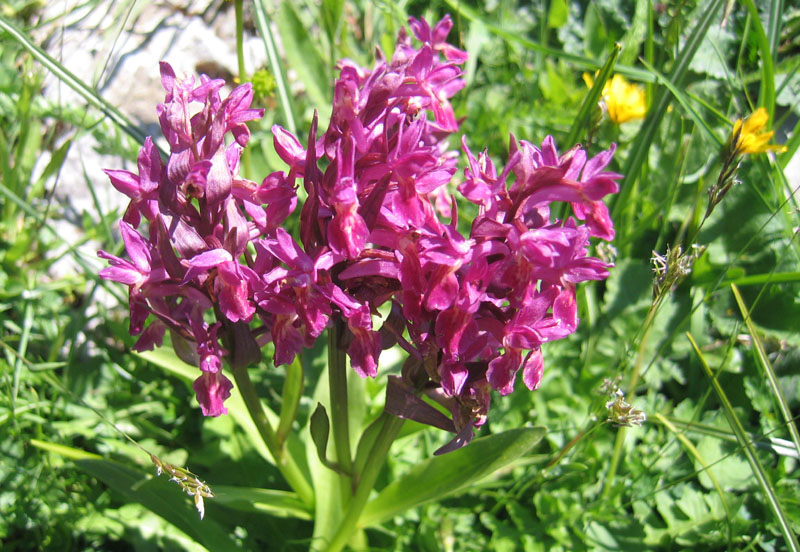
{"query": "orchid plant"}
{"type": "Point", "coordinates": [379, 260]}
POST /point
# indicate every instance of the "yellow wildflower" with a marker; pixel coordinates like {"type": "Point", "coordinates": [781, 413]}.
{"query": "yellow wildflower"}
{"type": "Point", "coordinates": [623, 101]}
{"type": "Point", "coordinates": [752, 137]}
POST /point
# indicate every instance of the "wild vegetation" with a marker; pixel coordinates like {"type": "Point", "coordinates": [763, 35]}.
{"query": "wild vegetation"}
{"type": "Point", "coordinates": [664, 420]}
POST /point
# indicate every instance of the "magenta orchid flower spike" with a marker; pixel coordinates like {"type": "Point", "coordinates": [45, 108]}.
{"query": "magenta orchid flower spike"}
{"type": "Point", "coordinates": [209, 261]}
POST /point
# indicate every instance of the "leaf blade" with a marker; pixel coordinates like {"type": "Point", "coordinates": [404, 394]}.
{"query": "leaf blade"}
{"type": "Point", "coordinates": [447, 474]}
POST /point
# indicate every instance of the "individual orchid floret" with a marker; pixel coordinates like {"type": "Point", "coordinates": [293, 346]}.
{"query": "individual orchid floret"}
{"type": "Point", "coordinates": [231, 282]}
{"type": "Point", "coordinates": [212, 390]}
{"type": "Point", "coordinates": [139, 270]}
{"type": "Point", "coordinates": [437, 38]}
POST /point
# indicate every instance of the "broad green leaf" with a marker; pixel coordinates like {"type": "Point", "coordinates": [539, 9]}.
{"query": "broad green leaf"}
{"type": "Point", "coordinates": [294, 471]}
{"type": "Point", "coordinates": [252, 499]}
{"type": "Point", "coordinates": [447, 474]}
{"type": "Point", "coordinates": [327, 508]}
{"type": "Point", "coordinates": [595, 36]}
{"type": "Point", "coordinates": [730, 470]}
{"type": "Point", "coordinates": [635, 35]}
{"type": "Point", "coordinates": [365, 444]}
{"type": "Point", "coordinates": [161, 497]}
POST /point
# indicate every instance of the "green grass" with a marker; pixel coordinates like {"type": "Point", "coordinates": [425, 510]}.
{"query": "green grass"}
{"type": "Point", "coordinates": [714, 361]}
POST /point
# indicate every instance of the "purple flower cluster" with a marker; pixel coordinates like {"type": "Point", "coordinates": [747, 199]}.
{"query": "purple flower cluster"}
{"type": "Point", "coordinates": [470, 310]}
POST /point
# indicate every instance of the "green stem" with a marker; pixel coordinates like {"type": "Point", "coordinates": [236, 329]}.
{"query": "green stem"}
{"type": "Point", "coordinates": [620, 442]}
{"type": "Point", "coordinates": [237, 7]}
{"type": "Point", "coordinates": [590, 428]}
{"type": "Point", "coordinates": [340, 422]}
{"type": "Point", "coordinates": [391, 429]}
{"type": "Point", "coordinates": [284, 462]}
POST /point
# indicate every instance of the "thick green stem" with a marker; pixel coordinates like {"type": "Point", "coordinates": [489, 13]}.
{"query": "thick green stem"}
{"type": "Point", "coordinates": [348, 526]}
{"type": "Point", "coordinates": [284, 462]}
{"type": "Point", "coordinates": [340, 422]}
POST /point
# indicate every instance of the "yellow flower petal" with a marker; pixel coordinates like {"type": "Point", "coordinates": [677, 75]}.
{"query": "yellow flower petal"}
{"type": "Point", "coordinates": [752, 136]}
{"type": "Point", "coordinates": [625, 101]}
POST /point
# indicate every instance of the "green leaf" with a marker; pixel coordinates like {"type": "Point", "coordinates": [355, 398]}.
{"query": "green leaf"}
{"type": "Point", "coordinates": [303, 54]}
{"type": "Point", "coordinates": [63, 450]}
{"type": "Point", "coordinates": [445, 475]}
{"type": "Point", "coordinates": [589, 105]}
{"type": "Point", "coordinates": [252, 499]}
{"type": "Point", "coordinates": [558, 13]}
{"type": "Point", "coordinates": [331, 12]}
{"type": "Point", "coordinates": [320, 428]}
{"type": "Point", "coordinates": [161, 497]}
{"type": "Point", "coordinates": [595, 36]}
{"type": "Point", "coordinates": [327, 507]}
{"type": "Point", "coordinates": [365, 444]}
{"type": "Point", "coordinates": [292, 393]}
{"type": "Point", "coordinates": [275, 65]}
{"type": "Point", "coordinates": [715, 459]}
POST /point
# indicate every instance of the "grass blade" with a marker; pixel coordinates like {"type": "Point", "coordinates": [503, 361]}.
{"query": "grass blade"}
{"type": "Point", "coordinates": [689, 446]}
{"type": "Point", "coordinates": [68, 78]}
{"type": "Point", "coordinates": [683, 99]}
{"type": "Point", "coordinates": [766, 96]}
{"type": "Point", "coordinates": [641, 145]}
{"type": "Point", "coordinates": [778, 446]}
{"type": "Point", "coordinates": [590, 101]}
{"type": "Point", "coordinates": [262, 22]}
{"type": "Point", "coordinates": [580, 61]}
{"type": "Point", "coordinates": [766, 366]}
{"type": "Point", "coordinates": [755, 464]}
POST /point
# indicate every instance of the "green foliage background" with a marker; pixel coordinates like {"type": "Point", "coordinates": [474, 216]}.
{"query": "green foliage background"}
{"type": "Point", "coordinates": [714, 467]}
